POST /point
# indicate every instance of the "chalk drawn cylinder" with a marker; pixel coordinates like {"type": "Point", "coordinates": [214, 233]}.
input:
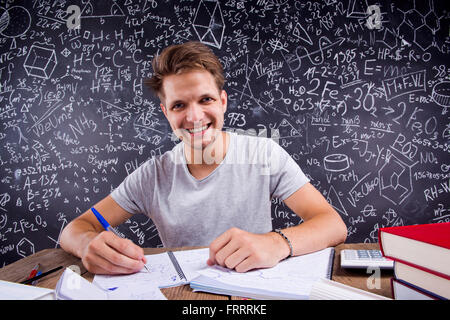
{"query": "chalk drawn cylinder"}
{"type": "Point", "coordinates": [441, 94]}
{"type": "Point", "coordinates": [336, 162]}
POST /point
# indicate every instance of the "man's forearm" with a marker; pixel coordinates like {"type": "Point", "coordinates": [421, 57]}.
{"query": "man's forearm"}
{"type": "Point", "coordinates": [324, 230]}
{"type": "Point", "coordinates": [76, 236]}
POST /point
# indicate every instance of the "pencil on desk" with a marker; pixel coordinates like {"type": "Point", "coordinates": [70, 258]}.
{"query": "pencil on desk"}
{"type": "Point", "coordinates": [28, 281]}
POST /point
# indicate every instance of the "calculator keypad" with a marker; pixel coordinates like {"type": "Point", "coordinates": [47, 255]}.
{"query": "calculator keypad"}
{"type": "Point", "coordinates": [369, 254]}
{"type": "Point", "coordinates": [364, 258]}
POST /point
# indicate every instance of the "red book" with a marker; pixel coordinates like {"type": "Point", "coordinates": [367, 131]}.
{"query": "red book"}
{"type": "Point", "coordinates": [424, 246]}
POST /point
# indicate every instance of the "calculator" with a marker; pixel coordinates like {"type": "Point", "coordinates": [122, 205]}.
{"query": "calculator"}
{"type": "Point", "coordinates": [363, 259]}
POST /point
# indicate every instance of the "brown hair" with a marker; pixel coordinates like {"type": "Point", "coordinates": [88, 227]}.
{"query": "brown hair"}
{"type": "Point", "coordinates": [180, 58]}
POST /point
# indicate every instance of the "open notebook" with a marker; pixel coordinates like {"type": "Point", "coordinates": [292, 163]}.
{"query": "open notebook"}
{"type": "Point", "coordinates": [292, 278]}
{"type": "Point", "coordinates": [167, 269]}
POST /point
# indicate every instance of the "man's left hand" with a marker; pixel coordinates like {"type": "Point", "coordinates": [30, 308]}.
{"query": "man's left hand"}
{"type": "Point", "coordinates": [241, 250]}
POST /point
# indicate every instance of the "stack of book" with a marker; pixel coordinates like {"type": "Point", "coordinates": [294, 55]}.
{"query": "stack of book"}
{"type": "Point", "coordinates": [421, 255]}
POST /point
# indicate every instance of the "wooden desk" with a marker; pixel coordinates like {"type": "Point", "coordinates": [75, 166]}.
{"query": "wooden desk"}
{"type": "Point", "coordinates": [358, 278]}
{"type": "Point", "coordinates": [51, 258]}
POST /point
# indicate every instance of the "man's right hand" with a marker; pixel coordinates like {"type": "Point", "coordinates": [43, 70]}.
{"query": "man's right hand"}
{"type": "Point", "coordinates": [107, 253]}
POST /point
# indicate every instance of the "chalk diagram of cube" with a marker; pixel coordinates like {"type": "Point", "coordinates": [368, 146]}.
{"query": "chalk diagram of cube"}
{"type": "Point", "coordinates": [40, 62]}
{"type": "Point", "coordinates": [357, 9]}
{"type": "Point", "coordinates": [395, 180]}
{"type": "Point", "coordinates": [209, 24]}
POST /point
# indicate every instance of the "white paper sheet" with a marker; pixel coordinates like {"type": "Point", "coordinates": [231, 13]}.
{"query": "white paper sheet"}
{"type": "Point", "coordinates": [72, 286]}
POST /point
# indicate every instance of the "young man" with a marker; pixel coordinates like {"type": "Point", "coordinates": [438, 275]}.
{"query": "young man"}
{"type": "Point", "coordinates": [214, 188]}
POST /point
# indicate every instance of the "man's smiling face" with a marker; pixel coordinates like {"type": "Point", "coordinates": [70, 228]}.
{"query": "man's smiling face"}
{"type": "Point", "coordinates": [194, 107]}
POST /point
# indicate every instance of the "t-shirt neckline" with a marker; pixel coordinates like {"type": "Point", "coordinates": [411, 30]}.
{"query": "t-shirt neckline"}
{"type": "Point", "coordinates": [227, 156]}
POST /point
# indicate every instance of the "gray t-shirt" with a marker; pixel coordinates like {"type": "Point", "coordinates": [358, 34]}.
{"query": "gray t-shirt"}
{"type": "Point", "coordinates": [238, 193]}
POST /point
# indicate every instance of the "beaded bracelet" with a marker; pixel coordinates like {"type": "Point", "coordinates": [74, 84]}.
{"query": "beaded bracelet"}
{"type": "Point", "coordinates": [291, 253]}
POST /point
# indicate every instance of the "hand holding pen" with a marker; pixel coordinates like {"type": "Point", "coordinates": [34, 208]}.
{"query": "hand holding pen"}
{"type": "Point", "coordinates": [109, 253]}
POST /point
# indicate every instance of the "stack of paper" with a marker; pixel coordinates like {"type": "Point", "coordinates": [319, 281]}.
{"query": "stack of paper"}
{"type": "Point", "coordinates": [325, 289]}
{"type": "Point", "coordinates": [17, 291]}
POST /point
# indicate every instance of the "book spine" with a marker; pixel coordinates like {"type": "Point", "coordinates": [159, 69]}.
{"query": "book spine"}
{"type": "Point", "coordinates": [380, 241]}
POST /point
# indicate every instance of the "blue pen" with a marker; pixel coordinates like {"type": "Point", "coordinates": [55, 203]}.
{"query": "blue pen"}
{"type": "Point", "coordinates": [107, 226]}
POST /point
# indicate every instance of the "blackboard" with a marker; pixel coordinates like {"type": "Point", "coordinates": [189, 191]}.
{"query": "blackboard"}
{"type": "Point", "coordinates": [358, 90]}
